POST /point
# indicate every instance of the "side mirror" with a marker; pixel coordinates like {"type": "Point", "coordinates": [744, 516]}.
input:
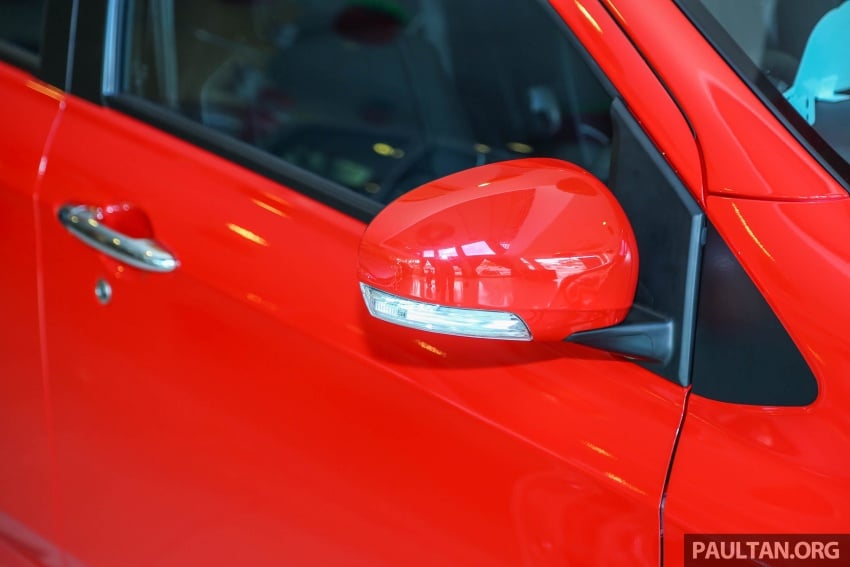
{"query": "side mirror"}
{"type": "Point", "coordinates": [527, 249]}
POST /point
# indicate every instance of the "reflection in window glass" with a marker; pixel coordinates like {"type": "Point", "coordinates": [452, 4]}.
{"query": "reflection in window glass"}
{"type": "Point", "coordinates": [377, 96]}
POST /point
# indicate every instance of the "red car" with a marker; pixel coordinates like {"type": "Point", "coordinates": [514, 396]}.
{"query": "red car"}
{"type": "Point", "coordinates": [423, 282]}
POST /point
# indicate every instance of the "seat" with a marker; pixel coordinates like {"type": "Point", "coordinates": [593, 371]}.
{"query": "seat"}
{"type": "Point", "coordinates": [364, 78]}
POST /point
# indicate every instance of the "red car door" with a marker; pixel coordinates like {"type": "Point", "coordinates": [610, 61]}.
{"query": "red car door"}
{"type": "Point", "coordinates": [27, 114]}
{"type": "Point", "coordinates": [218, 391]}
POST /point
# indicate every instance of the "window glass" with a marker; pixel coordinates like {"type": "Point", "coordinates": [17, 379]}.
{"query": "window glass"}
{"type": "Point", "coordinates": [21, 23]}
{"type": "Point", "coordinates": [378, 96]}
{"type": "Point", "coordinates": [800, 47]}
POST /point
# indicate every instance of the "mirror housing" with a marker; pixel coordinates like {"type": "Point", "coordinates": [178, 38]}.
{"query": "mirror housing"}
{"type": "Point", "coordinates": [533, 248]}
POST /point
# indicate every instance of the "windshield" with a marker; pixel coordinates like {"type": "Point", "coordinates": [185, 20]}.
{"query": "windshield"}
{"type": "Point", "coordinates": [801, 48]}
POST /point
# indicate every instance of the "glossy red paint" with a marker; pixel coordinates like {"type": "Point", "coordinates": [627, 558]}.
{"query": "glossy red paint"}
{"type": "Point", "coordinates": [742, 469]}
{"type": "Point", "coordinates": [126, 219]}
{"type": "Point", "coordinates": [645, 96]}
{"type": "Point", "coordinates": [492, 237]}
{"type": "Point", "coordinates": [247, 408]}
{"type": "Point", "coordinates": [28, 113]}
{"type": "Point", "coordinates": [761, 469]}
{"type": "Point", "coordinates": [740, 141]}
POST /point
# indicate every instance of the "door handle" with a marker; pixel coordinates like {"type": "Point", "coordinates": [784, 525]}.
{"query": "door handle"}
{"type": "Point", "coordinates": [85, 222]}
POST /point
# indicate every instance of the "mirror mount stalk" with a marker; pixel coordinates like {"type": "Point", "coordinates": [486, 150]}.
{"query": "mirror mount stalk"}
{"type": "Point", "coordinates": [643, 335]}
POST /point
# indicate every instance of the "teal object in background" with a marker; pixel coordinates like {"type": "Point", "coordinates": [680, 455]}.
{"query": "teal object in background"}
{"type": "Point", "coordinates": [824, 72]}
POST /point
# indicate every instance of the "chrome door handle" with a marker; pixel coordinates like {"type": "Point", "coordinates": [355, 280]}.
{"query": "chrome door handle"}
{"type": "Point", "coordinates": [142, 253]}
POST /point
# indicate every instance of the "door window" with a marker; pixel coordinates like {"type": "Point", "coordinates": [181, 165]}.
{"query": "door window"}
{"type": "Point", "coordinates": [377, 97]}
{"type": "Point", "coordinates": [21, 28]}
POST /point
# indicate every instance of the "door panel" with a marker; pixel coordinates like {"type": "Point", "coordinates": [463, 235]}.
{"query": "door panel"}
{"type": "Point", "coordinates": [28, 112]}
{"type": "Point", "coordinates": [761, 469]}
{"type": "Point", "coordinates": [244, 409]}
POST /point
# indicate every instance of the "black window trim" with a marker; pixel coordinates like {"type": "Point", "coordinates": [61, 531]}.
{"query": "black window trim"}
{"type": "Point", "coordinates": [678, 319]}
{"type": "Point", "coordinates": [19, 57]}
{"type": "Point", "coordinates": [60, 21]}
{"type": "Point", "coordinates": [245, 155]}
{"type": "Point", "coordinates": [760, 85]}
{"type": "Point", "coordinates": [86, 59]}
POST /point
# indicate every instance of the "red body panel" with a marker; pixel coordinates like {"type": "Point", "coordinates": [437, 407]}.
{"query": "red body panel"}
{"type": "Point", "coordinates": [188, 432]}
{"type": "Point", "coordinates": [742, 469]}
{"type": "Point", "coordinates": [745, 150]}
{"type": "Point", "coordinates": [645, 96]}
{"type": "Point", "coordinates": [245, 408]}
{"type": "Point", "coordinates": [27, 115]}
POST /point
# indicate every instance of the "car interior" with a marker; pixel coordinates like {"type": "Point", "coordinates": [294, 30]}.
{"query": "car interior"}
{"type": "Point", "coordinates": [298, 80]}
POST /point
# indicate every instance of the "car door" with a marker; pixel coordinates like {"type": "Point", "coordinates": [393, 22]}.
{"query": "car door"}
{"type": "Point", "coordinates": [28, 112]}
{"type": "Point", "coordinates": [763, 451]}
{"type": "Point", "coordinates": [218, 392]}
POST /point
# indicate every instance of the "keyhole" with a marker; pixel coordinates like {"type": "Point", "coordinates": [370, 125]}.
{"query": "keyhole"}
{"type": "Point", "coordinates": [103, 291]}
